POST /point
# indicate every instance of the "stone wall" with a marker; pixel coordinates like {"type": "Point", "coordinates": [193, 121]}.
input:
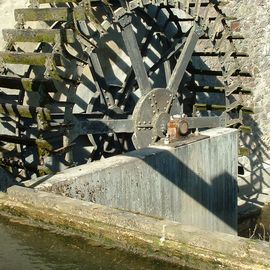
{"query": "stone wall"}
{"type": "Point", "coordinates": [253, 23]}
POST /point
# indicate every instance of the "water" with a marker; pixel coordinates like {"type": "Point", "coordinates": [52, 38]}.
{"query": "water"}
{"type": "Point", "coordinates": [262, 228]}
{"type": "Point", "coordinates": [24, 247]}
{"type": "Point", "coordinates": [257, 226]}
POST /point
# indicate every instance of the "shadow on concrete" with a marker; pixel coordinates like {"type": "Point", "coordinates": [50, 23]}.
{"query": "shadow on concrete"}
{"type": "Point", "coordinates": [218, 196]}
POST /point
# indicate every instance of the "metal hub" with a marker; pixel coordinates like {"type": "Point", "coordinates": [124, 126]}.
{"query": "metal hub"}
{"type": "Point", "coordinates": [177, 126]}
{"type": "Point", "coordinates": [151, 115]}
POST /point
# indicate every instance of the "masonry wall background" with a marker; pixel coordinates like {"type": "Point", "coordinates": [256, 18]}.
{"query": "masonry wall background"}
{"type": "Point", "coordinates": [254, 24]}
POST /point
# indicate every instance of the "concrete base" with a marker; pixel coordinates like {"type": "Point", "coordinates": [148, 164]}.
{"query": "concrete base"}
{"type": "Point", "coordinates": [162, 239]}
{"type": "Point", "coordinates": [194, 184]}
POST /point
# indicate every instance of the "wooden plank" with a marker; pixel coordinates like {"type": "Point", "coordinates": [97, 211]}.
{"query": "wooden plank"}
{"type": "Point", "coordinates": [26, 83]}
{"type": "Point", "coordinates": [220, 53]}
{"type": "Point", "coordinates": [23, 111]}
{"type": "Point", "coordinates": [58, 1]}
{"type": "Point", "coordinates": [49, 14]}
{"type": "Point", "coordinates": [222, 90]}
{"type": "Point", "coordinates": [219, 73]}
{"type": "Point", "coordinates": [54, 1]}
{"type": "Point", "coordinates": [39, 35]}
{"type": "Point", "coordinates": [218, 107]}
{"type": "Point", "coordinates": [36, 59]}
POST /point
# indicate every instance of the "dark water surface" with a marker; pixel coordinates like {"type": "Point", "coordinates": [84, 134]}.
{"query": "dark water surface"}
{"type": "Point", "coordinates": [23, 247]}
{"type": "Point", "coordinates": [262, 231]}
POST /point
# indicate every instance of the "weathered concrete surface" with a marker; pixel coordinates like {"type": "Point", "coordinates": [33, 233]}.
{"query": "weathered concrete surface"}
{"type": "Point", "coordinates": [166, 240]}
{"type": "Point", "coordinates": [194, 184]}
{"type": "Point", "coordinates": [253, 24]}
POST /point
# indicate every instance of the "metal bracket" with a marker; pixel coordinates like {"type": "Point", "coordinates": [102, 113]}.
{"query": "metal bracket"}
{"type": "Point", "coordinates": [34, 3]}
{"type": "Point", "coordinates": [198, 30]}
{"type": "Point", "coordinates": [86, 4]}
{"type": "Point", "coordinates": [9, 42]}
{"type": "Point", "coordinates": [119, 13]}
{"type": "Point", "coordinates": [20, 22]}
{"type": "Point", "coordinates": [125, 20]}
{"type": "Point", "coordinates": [134, 4]}
{"type": "Point", "coordinates": [2, 66]}
{"type": "Point", "coordinates": [222, 120]}
{"type": "Point", "coordinates": [50, 71]}
{"type": "Point", "coordinates": [158, 2]}
{"type": "Point", "coordinates": [57, 44]}
{"type": "Point", "coordinates": [43, 116]}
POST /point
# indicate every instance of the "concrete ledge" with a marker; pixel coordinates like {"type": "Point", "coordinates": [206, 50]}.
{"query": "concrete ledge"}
{"type": "Point", "coordinates": [166, 240]}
